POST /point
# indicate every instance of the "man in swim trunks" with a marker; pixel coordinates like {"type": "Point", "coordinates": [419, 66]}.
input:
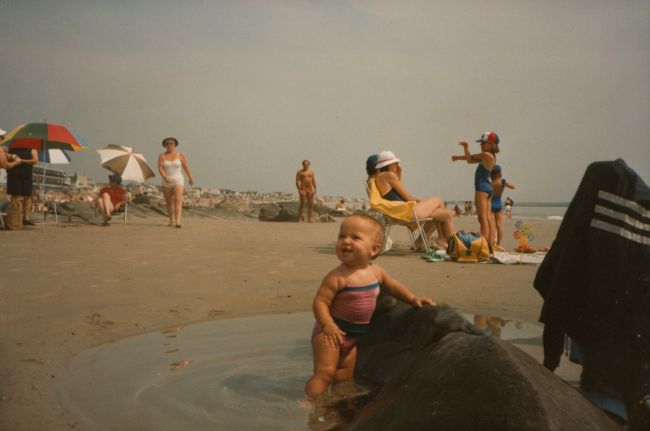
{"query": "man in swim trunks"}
{"type": "Point", "coordinates": [306, 185]}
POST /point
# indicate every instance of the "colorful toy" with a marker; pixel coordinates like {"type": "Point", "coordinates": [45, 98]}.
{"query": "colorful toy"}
{"type": "Point", "coordinates": [523, 233]}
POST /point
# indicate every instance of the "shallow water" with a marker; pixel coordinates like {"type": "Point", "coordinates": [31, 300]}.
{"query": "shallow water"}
{"type": "Point", "coordinates": [238, 374]}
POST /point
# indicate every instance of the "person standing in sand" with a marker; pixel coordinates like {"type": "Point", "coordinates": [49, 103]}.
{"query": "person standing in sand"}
{"type": "Point", "coordinates": [508, 208]}
{"type": "Point", "coordinates": [345, 301]}
{"type": "Point", "coordinates": [20, 180]}
{"type": "Point", "coordinates": [171, 165]}
{"type": "Point", "coordinates": [498, 186]}
{"type": "Point", "coordinates": [486, 160]}
{"type": "Point", "coordinates": [306, 185]}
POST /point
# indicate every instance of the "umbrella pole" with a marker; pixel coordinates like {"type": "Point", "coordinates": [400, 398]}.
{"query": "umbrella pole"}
{"type": "Point", "coordinates": [44, 170]}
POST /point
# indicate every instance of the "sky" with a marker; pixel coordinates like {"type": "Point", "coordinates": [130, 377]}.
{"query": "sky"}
{"type": "Point", "coordinates": [251, 88]}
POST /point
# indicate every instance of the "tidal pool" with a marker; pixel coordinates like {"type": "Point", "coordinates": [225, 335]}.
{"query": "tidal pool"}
{"type": "Point", "coordinates": [238, 374]}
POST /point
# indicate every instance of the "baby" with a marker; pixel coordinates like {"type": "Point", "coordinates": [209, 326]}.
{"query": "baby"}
{"type": "Point", "coordinates": [346, 300]}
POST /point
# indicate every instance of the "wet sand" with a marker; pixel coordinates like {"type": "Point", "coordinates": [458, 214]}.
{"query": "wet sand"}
{"type": "Point", "coordinates": [66, 288]}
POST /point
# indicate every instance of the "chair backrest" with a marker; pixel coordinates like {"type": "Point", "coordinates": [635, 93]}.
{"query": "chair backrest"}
{"type": "Point", "coordinates": [395, 209]}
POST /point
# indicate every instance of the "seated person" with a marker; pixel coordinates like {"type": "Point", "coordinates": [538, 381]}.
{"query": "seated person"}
{"type": "Point", "coordinates": [389, 184]}
{"type": "Point", "coordinates": [111, 198]}
{"type": "Point", "coordinates": [340, 206]}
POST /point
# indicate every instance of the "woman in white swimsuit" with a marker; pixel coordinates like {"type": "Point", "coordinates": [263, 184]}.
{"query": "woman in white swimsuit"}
{"type": "Point", "coordinates": [171, 165]}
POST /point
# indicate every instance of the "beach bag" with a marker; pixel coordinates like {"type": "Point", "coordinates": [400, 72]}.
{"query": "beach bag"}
{"type": "Point", "coordinates": [13, 221]}
{"type": "Point", "coordinates": [468, 247]}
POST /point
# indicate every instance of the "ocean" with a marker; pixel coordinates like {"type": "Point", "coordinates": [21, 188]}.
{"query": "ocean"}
{"type": "Point", "coordinates": [545, 211]}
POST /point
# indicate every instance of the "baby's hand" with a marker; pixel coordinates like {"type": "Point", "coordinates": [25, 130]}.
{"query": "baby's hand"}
{"type": "Point", "coordinates": [463, 144]}
{"type": "Point", "coordinates": [333, 335]}
{"type": "Point", "coordinates": [418, 302]}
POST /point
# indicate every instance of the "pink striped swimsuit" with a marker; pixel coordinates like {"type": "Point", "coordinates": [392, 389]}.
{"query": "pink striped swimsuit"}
{"type": "Point", "coordinates": [352, 309]}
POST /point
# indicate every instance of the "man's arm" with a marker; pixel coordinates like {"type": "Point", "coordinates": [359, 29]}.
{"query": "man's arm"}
{"type": "Point", "coordinates": [33, 160]}
{"type": "Point", "coordinates": [298, 180]}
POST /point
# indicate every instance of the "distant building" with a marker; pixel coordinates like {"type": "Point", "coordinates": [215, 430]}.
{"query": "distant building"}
{"type": "Point", "coordinates": [53, 178]}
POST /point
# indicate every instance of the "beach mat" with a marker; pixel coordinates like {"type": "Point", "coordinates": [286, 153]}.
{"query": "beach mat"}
{"type": "Point", "coordinates": [513, 258]}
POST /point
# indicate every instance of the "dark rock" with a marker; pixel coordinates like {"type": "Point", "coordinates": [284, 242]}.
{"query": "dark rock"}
{"type": "Point", "coordinates": [288, 211]}
{"type": "Point", "coordinates": [432, 370]}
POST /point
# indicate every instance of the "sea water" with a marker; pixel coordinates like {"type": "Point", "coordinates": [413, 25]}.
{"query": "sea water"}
{"type": "Point", "coordinates": [237, 374]}
{"type": "Point", "coordinates": [539, 211]}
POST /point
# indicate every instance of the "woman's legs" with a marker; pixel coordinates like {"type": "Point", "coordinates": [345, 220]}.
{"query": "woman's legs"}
{"type": "Point", "coordinates": [178, 203]}
{"type": "Point", "coordinates": [493, 228]}
{"type": "Point", "coordinates": [169, 201]}
{"type": "Point", "coordinates": [483, 211]}
{"type": "Point", "coordinates": [435, 208]}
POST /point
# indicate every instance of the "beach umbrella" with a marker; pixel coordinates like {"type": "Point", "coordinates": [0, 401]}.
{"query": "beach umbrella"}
{"type": "Point", "coordinates": [54, 157]}
{"type": "Point", "coordinates": [125, 162]}
{"type": "Point", "coordinates": [43, 136]}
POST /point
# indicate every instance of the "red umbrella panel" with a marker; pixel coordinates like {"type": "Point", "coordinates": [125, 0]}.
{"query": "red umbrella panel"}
{"type": "Point", "coordinates": [44, 136]}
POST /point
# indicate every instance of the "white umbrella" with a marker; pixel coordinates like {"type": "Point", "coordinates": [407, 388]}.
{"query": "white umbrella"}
{"type": "Point", "coordinates": [126, 163]}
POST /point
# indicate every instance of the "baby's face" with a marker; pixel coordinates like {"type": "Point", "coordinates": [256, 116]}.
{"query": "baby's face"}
{"type": "Point", "coordinates": [357, 242]}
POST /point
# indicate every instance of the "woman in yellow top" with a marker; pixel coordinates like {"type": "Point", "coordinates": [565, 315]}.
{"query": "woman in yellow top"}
{"type": "Point", "coordinates": [389, 184]}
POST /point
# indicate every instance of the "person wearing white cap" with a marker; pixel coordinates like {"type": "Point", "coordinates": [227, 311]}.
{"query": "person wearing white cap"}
{"type": "Point", "coordinates": [389, 184]}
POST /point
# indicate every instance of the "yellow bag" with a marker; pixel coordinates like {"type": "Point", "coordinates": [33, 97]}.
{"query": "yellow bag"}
{"type": "Point", "coordinates": [468, 247]}
{"type": "Point", "coordinates": [13, 220]}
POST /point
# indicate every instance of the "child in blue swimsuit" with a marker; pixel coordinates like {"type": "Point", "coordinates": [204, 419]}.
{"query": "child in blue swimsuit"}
{"type": "Point", "coordinates": [498, 186]}
{"type": "Point", "coordinates": [486, 160]}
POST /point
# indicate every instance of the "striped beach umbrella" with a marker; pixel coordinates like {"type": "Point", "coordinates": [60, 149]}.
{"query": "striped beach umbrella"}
{"type": "Point", "coordinates": [54, 157]}
{"type": "Point", "coordinates": [125, 162]}
{"type": "Point", "coordinates": [43, 136]}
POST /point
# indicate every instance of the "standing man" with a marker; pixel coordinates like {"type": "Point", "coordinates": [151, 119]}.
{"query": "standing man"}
{"type": "Point", "coordinates": [20, 180]}
{"type": "Point", "coordinates": [306, 185]}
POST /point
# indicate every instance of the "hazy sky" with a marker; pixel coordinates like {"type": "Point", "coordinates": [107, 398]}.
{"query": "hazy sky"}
{"type": "Point", "coordinates": [251, 88]}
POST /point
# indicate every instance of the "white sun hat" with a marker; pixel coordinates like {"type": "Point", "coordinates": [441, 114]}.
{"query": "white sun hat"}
{"type": "Point", "coordinates": [386, 158]}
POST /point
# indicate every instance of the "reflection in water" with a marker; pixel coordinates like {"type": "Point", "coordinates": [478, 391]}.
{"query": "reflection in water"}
{"type": "Point", "coordinates": [239, 374]}
{"type": "Point", "coordinates": [491, 325]}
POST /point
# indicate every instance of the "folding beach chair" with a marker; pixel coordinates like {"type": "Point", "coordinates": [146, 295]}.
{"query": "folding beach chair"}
{"type": "Point", "coordinates": [399, 214]}
{"type": "Point", "coordinates": [121, 212]}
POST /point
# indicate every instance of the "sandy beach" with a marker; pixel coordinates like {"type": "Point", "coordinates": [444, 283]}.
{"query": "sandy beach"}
{"type": "Point", "coordinates": [68, 287]}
